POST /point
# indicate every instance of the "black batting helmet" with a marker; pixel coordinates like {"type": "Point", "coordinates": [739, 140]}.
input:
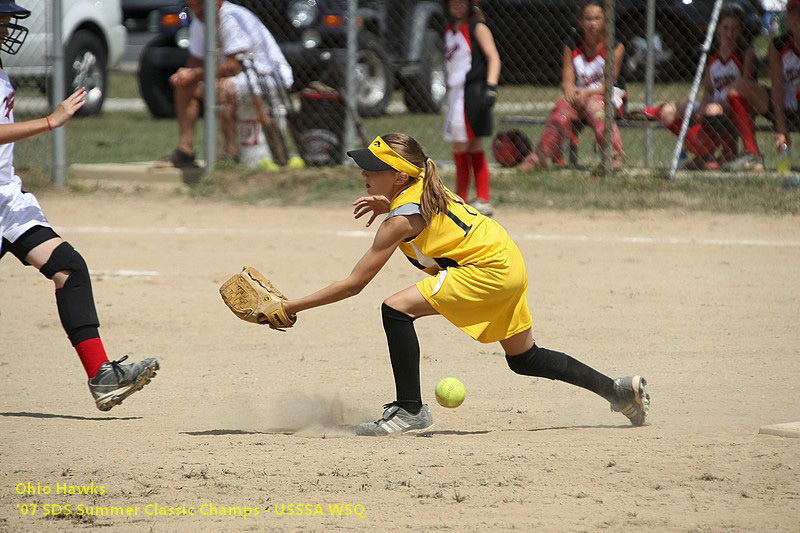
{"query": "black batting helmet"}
{"type": "Point", "coordinates": [12, 35]}
{"type": "Point", "coordinates": [510, 147]}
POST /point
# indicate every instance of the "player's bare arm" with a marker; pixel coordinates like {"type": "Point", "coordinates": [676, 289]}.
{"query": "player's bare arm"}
{"type": "Point", "coordinates": [390, 234]}
{"type": "Point", "coordinates": [750, 65]}
{"type": "Point", "coordinates": [568, 75]}
{"type": "Point", "coordinates": [17, 131]}
{"type": "Point", "coordinates": [776, 74]}
{"type": "Point", "coordinates": [486, 42]}
{"type": "Point", "coordinates": [194, 71]}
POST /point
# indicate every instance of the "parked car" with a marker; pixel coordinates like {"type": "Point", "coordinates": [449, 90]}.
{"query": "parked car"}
{"type": "Point", "coordinates": [679, 34]}
{"type": "Point", "coordinates": [399, 44]}
{"type": "Point", "coordinates": [530, 34]}
{"type": "Point", "coordinates": [93, 38]}
{"type": "Point", "coordinates": [136, 13]}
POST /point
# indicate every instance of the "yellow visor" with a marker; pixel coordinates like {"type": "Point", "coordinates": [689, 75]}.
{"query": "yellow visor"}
{"type": "Point", "coordinates": [380, 156]}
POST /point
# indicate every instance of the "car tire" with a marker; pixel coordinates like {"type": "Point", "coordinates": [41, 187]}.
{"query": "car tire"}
{"type": "Point", "coordinates": [154, 86]}
{"type": "Point", "coordinates": [86, 65]}
{"type": "Point", "coordinates": [673, 60]}
{"type": "Point", "coordinates": [374, 76]}
{"type": "Point", "coordinates": [426, 92]}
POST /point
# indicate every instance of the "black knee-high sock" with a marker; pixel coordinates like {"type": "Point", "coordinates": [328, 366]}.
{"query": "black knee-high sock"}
{"type": "Point", "coordinates": [550, 364]}
{"type": "Point", "coordinates": [404, 354]}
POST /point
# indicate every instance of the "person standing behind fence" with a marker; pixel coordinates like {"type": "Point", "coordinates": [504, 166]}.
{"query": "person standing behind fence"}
{"type": "Point", "coordinates": [26, 233]}
{"type": "Point", "coordinates": [473, 70]}
{"type": "Point", "coordinates": [240, 32]}
{"type": "Point", "coordinates": [583, 75]}
{"type": "Point", "coordinates": [779, 104]}
{"type": "Point", "coordinates": [733, 60]}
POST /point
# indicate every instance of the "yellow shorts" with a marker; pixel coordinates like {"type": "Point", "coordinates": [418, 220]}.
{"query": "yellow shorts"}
{"type": "Point", "coordinates": [488, 302]}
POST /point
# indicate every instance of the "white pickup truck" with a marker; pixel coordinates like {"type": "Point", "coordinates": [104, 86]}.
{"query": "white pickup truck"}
{"type": "Point", "coordinates": [93, 38]}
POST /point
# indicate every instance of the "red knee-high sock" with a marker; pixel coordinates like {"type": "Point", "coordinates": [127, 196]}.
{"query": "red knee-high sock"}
{"type": "Point", "coordinates": [92, 354]}
{"type": "Point", "coordinates": [699, 142]}
{"type": "Point", "coordinates": [462, 174]}
{"type": "Point", "coordinates": [744, 122]}
{"type": "Point", "coordinates": [480, 166]}
{"type": "Point", "coordinates": [87, 343]}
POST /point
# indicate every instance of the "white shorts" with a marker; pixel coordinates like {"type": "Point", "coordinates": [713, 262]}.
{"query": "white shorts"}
{"type": "Point", "coordinates": [455, 124]}
{"type": "Point", "coordinates": [19, 212]}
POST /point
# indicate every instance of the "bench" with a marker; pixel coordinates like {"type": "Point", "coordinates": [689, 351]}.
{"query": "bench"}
{"type": "Point", "coordinates": [630, 120]}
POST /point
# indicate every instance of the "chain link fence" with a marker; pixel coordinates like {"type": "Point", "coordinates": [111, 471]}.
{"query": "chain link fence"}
{"type": "Point", "coordinates": [663, 43]}
{"type": "Point", "coordinates": [398, 81]}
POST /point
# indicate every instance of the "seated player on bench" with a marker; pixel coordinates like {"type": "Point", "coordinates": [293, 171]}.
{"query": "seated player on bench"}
{"type": "Point", "coordinates": [583, 75]}
{"type": "Point", "coordinates": [733, 60]}
{"type": "Point", "coordinates": [779, 104]}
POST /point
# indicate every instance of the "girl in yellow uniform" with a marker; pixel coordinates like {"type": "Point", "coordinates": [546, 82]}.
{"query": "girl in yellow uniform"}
{"type": "Point", "coordinates": [477, 281]}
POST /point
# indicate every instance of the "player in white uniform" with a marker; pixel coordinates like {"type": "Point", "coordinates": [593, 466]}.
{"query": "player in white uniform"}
{"type": "Point", "coordinates": [732, 60]}
{"type": "Point", "coordinates": [240, 31]}
{"type": "Point", "coordinates": [583, 67]}
{"type": "Point", "coordinates": [473, 70]}
{"type": "Point", "coordinates": [26, 233]}
{"type": "Point", "coordinates": [779, 103]}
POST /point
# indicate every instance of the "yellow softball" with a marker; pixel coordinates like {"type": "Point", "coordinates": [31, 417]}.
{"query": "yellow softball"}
{"type": "Point", "coordinates": [450, 393]}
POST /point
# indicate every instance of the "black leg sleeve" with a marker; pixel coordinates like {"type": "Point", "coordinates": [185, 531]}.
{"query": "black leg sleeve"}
{"type": "Point", "coordinates": [404, 353]}
{"type": "Point", "coordinates": [550, 364]}
{"type": "Point", "coordinates": [74, 300]}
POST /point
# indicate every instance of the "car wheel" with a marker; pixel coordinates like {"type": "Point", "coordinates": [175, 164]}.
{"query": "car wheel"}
{"type": "Point", "coordinates": [671, 60]}
{"type": "Point", "coordinates": [154, 86]}
{"type": "Point", "coordinates": [85, 65]}
{"type": "Point", "coordinates": [427, 91]}
{"type": "Point", "coordinates": [374, 77]}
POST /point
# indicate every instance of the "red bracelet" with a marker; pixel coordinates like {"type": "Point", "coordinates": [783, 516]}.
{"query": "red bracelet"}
{"type": "Point", "coordinates": [48, 123]}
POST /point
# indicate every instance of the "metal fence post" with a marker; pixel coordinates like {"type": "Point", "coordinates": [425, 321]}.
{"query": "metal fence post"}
{"type": "Point", "coordinates": [59, 134]}
{"type": "Point", "coordinates": [210, 88]}
{"type": "Point", "coordinates": [609, 87]}
{"type": "Point", "coordinates": [698, 76]}
{"type": "Point", "coordinates": [350, 81]}
{"type": "Point", "coordinates": [649, 75]}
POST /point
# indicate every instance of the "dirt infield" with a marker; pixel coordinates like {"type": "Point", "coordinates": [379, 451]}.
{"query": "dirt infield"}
{"type": "Point", "coordinates": [244, 420]}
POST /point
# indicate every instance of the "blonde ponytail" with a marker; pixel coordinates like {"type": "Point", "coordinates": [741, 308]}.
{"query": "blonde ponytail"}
{"type": "Point", "coordinates": [434, 196]}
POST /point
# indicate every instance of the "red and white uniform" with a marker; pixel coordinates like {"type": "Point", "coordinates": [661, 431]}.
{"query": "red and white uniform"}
{"type": "Point", "coordinates": [590, 72]}
{"type": "Point", "coordinates": [7, 173]}
{"type": "Point", "coordinates": [457, 54]}
{"type": "Point", "coordinates": [790, 59]}
{"type": "Point", "coordinates": [722, 73]}
{"type": "Point", "coordinates": [458, 61]}
{"type": "Point", "coordinates": [19, 211]}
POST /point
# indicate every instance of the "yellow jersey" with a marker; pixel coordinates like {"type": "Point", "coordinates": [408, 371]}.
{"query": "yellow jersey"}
{"type": "Point", "coordinates": [458, 237]}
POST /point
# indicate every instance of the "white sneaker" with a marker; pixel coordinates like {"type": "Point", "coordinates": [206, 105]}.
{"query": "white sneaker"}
{"type": "Point", "coordinates": [745, 163]}
{"type": "Point", "coordinates": [482, 206]}
{"type": "Point", "coordinates": [398, 421]}
{"type": "Point", "coordinates": [114, 381]}
{"type": "Point", "coordinates": [633, 400]}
